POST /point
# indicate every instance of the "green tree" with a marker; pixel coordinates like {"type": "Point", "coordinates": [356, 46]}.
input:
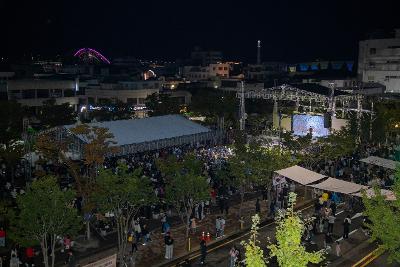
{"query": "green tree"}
{"type": "Point", "coordinates": [45, 213]}
{"type": "Point", "coordinates": [185, 185]}
{"type": "Point", "coordinates": [385, 219]}
{"type": "Point", "coordinates": [253, 164]}
{"type": "Point", "coordinates": [289, 250]}
{"type": "Point", "coordinates": [254, 254]}
{"type": "Point", "coordinates": [122, 193]}
{"type": "Point", "coordinates": [51, 114]}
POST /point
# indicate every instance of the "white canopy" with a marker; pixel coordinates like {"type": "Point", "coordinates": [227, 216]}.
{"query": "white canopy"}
{"type": "Point", "coordinates": [386, 163]}
{"type": "Point", "coordinates": [300, 175]}
{"type": "Point", "coordinates": [339, 186]}
{"type": "Point", "coordinates": [370, 193]}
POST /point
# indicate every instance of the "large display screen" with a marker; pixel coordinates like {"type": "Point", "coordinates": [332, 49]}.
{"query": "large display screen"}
{"type": "Point", "coordinates": [304, 123]}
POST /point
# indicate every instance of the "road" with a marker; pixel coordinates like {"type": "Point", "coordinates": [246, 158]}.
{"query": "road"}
{"type": "Point", "coordinates": [218, 256]}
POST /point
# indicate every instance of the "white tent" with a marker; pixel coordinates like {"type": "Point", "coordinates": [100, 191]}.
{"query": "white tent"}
{"type": "Point", "coordinates": [386, 163]}
{"type": "Point", "coordinates": [300, 175]}
{"type": "Point", "coordinates": [339, 186]}
{"type": "Point", "coordinates": [370, 193]}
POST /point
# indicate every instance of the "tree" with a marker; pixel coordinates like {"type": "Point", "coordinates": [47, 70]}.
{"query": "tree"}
{"type": "Point", "coordinates": [289, 250]}
{"type": "Point", "coordinates": [97, 145]}
{"type": "Point", "coordinates": [11, 148]}
{"type": "Point", "coordinates": [45, 213]}
{"type": "Point", "coordinates": [185, 185]}
{"type": "Point", "coordinates": [253, 164]}
{"type": "Point", "coordinates": [162, 104]}
{"type": "Point", "coordinates": [51, 114]}
{"type": "Point", "coordinates": [254, 254]}
{"type": "Point", "coordinates": [385, 219]}
{"type": "Point", "coordinates": [123, 193]}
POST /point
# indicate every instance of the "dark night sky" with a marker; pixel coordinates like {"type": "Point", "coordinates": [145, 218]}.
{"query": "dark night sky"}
{"type": "Point", "coordinates": [289, 30]}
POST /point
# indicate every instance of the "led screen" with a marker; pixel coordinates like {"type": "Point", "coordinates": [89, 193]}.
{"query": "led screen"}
{"type": "Point", "coordinates": [303, 122]}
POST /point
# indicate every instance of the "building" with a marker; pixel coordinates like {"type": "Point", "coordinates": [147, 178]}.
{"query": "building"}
{"type": "Point", "coordinates": [133, 92]}
{"type": "Point", "coordinates": [33, 92]}
{"type": "Point", "coordinates": [379, 62]}
{"type": "Point", "coordinates": [198, 73]}
{"type": "Point", "coordinates": [264, 71]}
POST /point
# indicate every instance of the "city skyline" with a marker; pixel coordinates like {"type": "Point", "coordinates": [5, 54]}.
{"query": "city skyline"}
{"type": "Point", "coordinates": [288, 30]}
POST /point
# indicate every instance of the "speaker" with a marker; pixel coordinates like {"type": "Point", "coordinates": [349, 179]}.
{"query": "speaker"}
{"type": "Point", "coordinates": [327, 120]}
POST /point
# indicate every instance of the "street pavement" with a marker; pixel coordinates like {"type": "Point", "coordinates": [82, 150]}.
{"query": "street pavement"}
{"type": "Point", "coordinates": [220, 255]}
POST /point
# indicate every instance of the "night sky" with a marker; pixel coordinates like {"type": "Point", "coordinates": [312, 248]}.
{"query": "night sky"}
{"type": "Point", "coordinates": [289, 30]}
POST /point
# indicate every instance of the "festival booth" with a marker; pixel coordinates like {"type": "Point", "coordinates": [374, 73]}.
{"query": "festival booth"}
{"type": "Point", "coordinates": [296, 174]}
{"type": "Point", "coordinates": [385, 163]}
{"type": "Point", "coordinates": [389, 195]}
{"type": "Point", "coordinates": [339, 186]}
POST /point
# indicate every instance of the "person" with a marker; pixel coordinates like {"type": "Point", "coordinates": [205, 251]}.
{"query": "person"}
{"type": "Point", "coordinates": [138, 230]}
{"type": "Point", "coordinates": [71, 259]}
{"type": "Point", "coordinates": [222, 227]}
{"type": "Point", "coordinates": [132, 241]}
{"type": "Point", "coordinates": [233, 255]}
{"type": "Point", "coordinates": [29, 254]}
{"type": "Point", "coordinates": [14, 261]}
{"type": "Point", "coordinates": [328, 240]}
{"type": "Point", "coordinates": [2, 237]}
{"type": "Point", "coordinates": [218, 227]}
{"type": "Point", "coordinates": [338, 249]}
{"type": "Point", "coordinates": [193, 225]}
{"type": "Point", "coordinates": [163, 221]}
{"type": "Point", "coordinates": [331, 221]}
{"type": "Point", "coordinates": [258, 208]}
{"type": "Point", "coordinates": [203, 250]}
{"type": "Point", "coordinates": [346, 227]}
{"type": "Point", "coordinates": [146, 235]}
{"type": "Point", "coordinates": [169, 246]}
{"type": "Point", "coordinates": [333, 208]}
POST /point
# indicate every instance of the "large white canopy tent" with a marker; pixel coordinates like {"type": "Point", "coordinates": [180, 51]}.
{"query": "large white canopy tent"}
{"type": "Point", "coordinates": [385, 163]}
{"type": "Point", "coordinates": [152, 133]}
{"type": "Point", "coordinates": [339, 186]}
{"type": "Point", "coordinates": [300, 175]}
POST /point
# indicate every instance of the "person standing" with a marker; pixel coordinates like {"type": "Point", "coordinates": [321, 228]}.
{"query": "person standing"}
{"type": "Point", "coordinates": [331, 221]}
{"type": "Point", "coordinates": [222, 227]}
{"type": "Point", "coordinates": [346, 227]}
{"type": "Point", "coordinates": [333, 208]}
{"type": "Point", "coordinates": [338, 249]}
{"type": "Point", "coordinates": [203, 250]}
{"type": "Point", "coordinates": [169, 246]}
{"type": "Point", "coordinates": [29, 254]}
{"type": "Point", "coordinates": [233, 255]}
{"type": "Point", "coordinates": [218, 227]}
{"type": "Point", "coordinates": [2, 237]}
{"type": "Point", "coordinates": [258, 208]}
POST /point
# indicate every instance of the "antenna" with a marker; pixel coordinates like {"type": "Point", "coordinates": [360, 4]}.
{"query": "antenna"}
{"type": "Point", "coordinates": [258, 52]}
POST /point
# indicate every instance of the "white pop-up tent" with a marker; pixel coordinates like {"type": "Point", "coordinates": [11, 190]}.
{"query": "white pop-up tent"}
{"type": "Point", "coordinates": [339, 186]}
{"type": "Point", "coordinates": [300, 175]}
{"type": "Point", "coordinates": [389, 195]}
{"type": "Point", "coordinates": [386, 163]}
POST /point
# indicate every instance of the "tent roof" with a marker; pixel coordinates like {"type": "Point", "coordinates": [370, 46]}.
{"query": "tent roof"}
{"type": "Point", "coordinates": [370, 193]}
{"type": "Point", "coordinates": [149, 129]}
{"type": "Point", "coordinates": [386, 163]}
{"type": "Point", "coordinates": [340, 186]}
{"type": "Point", "coordinates": [300, 175]}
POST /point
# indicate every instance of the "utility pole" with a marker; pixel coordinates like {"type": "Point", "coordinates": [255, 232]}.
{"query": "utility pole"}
{"type": "Point", "coordinates": [258, 52]}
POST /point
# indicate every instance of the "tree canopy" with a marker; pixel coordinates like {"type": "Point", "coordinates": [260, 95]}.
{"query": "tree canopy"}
{"type": "Point", "coordinates": [51, 114]}
{"type": "Point", "coordinates": [384, 219]}
{"type": "Point", "coordinates": [289, 250]}
{"type": "Point", "coordinates": [45, 212]}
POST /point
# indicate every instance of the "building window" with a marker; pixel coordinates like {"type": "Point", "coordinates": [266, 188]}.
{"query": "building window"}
{"type": "Point", "coordinates": [372, 51]}
{"type": "Point", "coordinates": [141, 100]}
{"type": "Point", "coordinates": [219, 68]}
{"type": "Point", "coordinates": [225, 68]}
{"type": "Point", "coordinates": [371, 78]}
